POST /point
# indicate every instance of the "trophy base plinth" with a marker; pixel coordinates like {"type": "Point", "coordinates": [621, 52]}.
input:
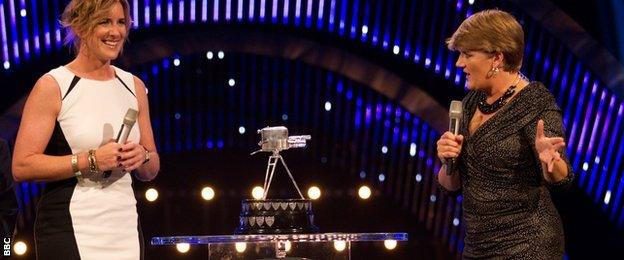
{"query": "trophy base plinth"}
{"type": "Point", "coordinates": [276, 216]}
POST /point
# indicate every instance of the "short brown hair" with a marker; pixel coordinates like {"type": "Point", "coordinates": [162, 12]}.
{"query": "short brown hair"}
{"type": "Point", "coordinates": [491, 31]}
{"type": "Point", "coordinates": [81, 16]}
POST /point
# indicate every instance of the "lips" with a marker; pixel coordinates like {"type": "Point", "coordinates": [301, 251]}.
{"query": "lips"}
{"type": "Point", "coordinates": [111, 44]}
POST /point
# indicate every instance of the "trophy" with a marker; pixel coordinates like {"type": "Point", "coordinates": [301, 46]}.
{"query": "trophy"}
{"type": "Point", "coordinates": [277, 216]}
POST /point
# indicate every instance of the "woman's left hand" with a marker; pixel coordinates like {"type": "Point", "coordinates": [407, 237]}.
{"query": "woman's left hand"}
{"type": "Point", "coordinates": [547, 147]}
{"type": "Point", "coordinates": [132, 156]}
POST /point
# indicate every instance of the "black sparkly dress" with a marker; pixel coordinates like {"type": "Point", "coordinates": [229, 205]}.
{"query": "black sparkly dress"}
{"type": "Point", "coordinates": [507, 208]}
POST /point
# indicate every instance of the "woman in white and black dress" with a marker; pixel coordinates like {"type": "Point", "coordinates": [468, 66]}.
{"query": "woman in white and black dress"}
{"type": "Point", "coordinates": [69, 120]}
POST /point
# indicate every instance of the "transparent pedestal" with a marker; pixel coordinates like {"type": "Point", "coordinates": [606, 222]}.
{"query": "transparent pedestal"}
{"type": "Point", "coordinates": [280, 246]}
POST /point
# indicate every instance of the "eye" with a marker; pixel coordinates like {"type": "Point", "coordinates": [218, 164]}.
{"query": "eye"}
{"type": "Point", "coordinates": [122, 21]}
{"type": "Point", "coordinates": [104, 21]}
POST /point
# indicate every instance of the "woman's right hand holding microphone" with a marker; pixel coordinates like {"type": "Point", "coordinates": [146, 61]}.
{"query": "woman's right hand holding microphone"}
{"type": "Point", "coordinates": [449, 146]}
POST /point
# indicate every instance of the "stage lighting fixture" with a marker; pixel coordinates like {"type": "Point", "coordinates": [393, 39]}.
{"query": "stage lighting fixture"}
{"type": "Point", "coordinates": [20, 248]}
{"type": "Point", "coordinates": [183, 247]}
{"type": "Point", "coordinates": [390, 244]}
{"type": "Point", "coordinates": [314, 192]}
{"type": "Point", "coordinates": [340, 245]}
{"type": "Point", "coordinates": [257, 192]}
{"type": "Point", "coordinates": [240, 246]}
{"type": "Point", "coordinates": [151, 194]}
{"type": "Point", "coordinates": [364, 192]}
{"type": "Point", "coordinates": [209, 55]}
{"type": "Point", "coordinates": [207, 193]}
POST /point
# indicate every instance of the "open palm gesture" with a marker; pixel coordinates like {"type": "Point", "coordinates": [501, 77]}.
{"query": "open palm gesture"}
{"type": "Point", "coordinates": [547, 147]}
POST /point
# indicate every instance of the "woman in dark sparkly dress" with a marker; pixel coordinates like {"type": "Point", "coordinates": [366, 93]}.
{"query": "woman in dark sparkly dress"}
{"type": "Point", "coordinates": [510, 149]}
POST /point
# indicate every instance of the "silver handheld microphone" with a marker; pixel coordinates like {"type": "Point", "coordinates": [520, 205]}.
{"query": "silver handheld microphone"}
{"type": "Point", "coordinates": [455, 115]}
{"type": "Point", "coordinates": [124, 131]}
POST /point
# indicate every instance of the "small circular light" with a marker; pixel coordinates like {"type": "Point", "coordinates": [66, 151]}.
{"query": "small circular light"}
{"type": "Point", "coordinates": [221, 55]}
{"type": "Point", "coordinates": [340, 245]}
{"type": "Point", "coordinates": [241, 129]}
{"type": "Point", "coordinates": [240, 246]}
{"type": "Point", "coordinates": [20, 248]}
{"type": "Point", "coordinates": [23, 13]}
{"type": "Point", "coordinates": [328, 106]}
{"type": "Point", "coordinates": [390, 244]}
{"type": "Point", "coordinates": [7, 65]}
{"type": "Point", "coordinates": [209, 55]}
{"type": "Point", "coordinates": [364, 192]}
{"type": "Point", "coordinates": [231, 82]}
{"type": "Point", "coordinates": [176, 62]}
{"type": "Point", "coordinates": [257, 192]}
{"type": "Point", "coordinates": [208, 193]}
{"type": "Point", "coordinates": [183, 247]}
{"type": "Point", "coordinates": [314, 193]}
{"type": "Point", "coordinates": [151, 194]}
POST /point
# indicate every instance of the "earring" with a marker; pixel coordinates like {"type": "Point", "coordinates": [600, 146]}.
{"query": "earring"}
{"type": "Point", "coordinates": [495, 71]}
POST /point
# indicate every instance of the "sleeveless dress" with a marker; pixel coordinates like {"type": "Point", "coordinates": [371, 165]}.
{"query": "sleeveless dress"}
{"type": "Point", "coordinates": [89, 217]}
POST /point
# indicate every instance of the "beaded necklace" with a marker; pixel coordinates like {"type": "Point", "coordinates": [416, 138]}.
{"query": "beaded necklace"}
{"type": "Point", "coordinates": [486, 108]}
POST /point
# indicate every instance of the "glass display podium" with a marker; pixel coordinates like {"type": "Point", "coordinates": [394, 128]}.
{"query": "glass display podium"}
{"type": "Point", "coordinates": [280, 246]}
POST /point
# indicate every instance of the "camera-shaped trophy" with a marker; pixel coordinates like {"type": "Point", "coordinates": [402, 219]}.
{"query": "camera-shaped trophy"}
{"type": "Point", "coordinates": [277, 216]}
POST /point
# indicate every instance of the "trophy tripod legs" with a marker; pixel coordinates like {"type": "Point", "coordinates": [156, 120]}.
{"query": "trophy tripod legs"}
{"type": "Point", "coordinates": [270, 171]}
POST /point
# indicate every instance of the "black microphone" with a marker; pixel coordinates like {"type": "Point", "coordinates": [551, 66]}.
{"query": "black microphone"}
{"type": "Point", "coordinates": [455, 115]}
{"type": "Point", "coordinates": [124, 131]}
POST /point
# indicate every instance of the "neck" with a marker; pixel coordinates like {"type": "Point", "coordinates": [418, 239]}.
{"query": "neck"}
{"type": "Point", "coordinates": [90, 67]}
{"type": "Point", "coordinates": [500, 84]}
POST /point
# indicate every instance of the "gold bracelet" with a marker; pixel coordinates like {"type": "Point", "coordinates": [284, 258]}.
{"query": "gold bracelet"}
{"type": "Point", "coordinates": [74, 165]}
{"type": "Point", "coordinates": [93, 167]}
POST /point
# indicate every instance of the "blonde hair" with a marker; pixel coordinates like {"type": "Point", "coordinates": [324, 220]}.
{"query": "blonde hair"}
{"type": "Point", "coordinates": [81, 16]}
{"type": "Point", "coordinates": [491, 31]}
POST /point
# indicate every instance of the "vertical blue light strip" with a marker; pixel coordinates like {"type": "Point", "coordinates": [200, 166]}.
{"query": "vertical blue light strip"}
{"type": "Point", "coordinates": [181, 11]}
{"type": "Point", "coordinates": [308, 22]}
{"type": "Point", "coordinates": [170, 12]}
{"type": "Point", "coordinates": [332, 15]}
{"type": "Point", "coordinates": [598, 154]}
{"type": "Point", "coordinates": [46, 26]}
{"type": "Point", "coordinates": [377, 22]}
{"type": "Point", "coordinates": [286, 10]}
{"type": "Point", "coordinates": [16, 54]}
{"type": "Point", "coordinates": [204, 11]}
{"type": "Point", "coordinates": [343, 18]}
{"type": "Point", "coordinates": [274, 12]}
{"type": "Point", "coordinates": [192, 11]}
{"type": "Point", "coordinates": [228, 10]}
{"type": "Point", "coordinates": [320, 19]}
{"type": "Point", "coordinates": [239, 10]}
{"type": "Point", "coordinates": [135, 14]}
{"type": "Point", "coordinates": [577, 122]}
{"type": "Point", "coordinates": [262, 11]}
{"type": "Point", "coordinates": [365, 22]}
{"type": "Point", "coordinates": [297, 12]}
{"type": "Point", "coordinates": [252, 14]}
{"type": "Point", "coordinates": [36, 39]}
{"type": "Point", "coordinates": [5, 46]}
{"type": "Point", "coordinates": [353, 28]}
{"type": "Point", "coordinates": [158, 11]}
{"type": "Point", "coordinates": [387, 28]}
{"type": "Point", "coordinates": [616, 165]}
{"type": "Point", "coordinates": [215, 10]}
{"type": "Point", "coordinates": [146, 13]}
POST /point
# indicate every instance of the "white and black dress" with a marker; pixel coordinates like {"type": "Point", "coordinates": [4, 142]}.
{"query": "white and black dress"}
{"type": "Point", "coordinates": [89, 217]}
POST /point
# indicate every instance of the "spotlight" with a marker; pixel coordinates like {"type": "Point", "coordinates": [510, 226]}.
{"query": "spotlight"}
{"type": "Point", "coordinates": [221, 55]}
{"type": "Point", "coordinates": [151, 194]}
{"type": "Point", "coordinates": [340, 245]}
{"type": "Point", "coordinates": [328, 106]}
{"type": "Point", "coordinates": [241, 130]}
{"type": "Point", "coordinates": [183, 247]}
{"type": "Point", "coordinates": [7, 65]}
{"type": "Point", "coordinates": [23, 13]}
{"type": "Point", "coordinates": [240, 247]}
{"type": "Point", "coordinates": [231, 82]}
{"type": "Point", "coordinates": [257, 192]}
{"type": "Point", "coordinates": [176, 62]}
{"type": "Point", "coordinates": [208, 193]}
{"type": "Point", "coordinates": [364, 192]}
{"type": "Point", "coordinates": [209, 55]}
{"type": "Point", "coordinates": [314, 193]}
{"type": "Point", "coordinates": [20, 248]}
{"type": "Point", "coordinates": [390, 244]}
